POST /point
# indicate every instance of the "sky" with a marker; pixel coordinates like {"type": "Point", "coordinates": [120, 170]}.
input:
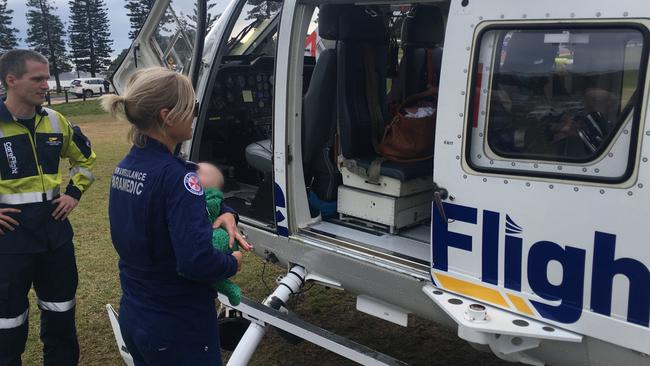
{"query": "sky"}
{"type": "Point", "coordinates": [118, 21]}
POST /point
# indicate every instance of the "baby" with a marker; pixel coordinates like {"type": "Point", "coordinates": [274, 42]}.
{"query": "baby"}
{"type": "Point", "coordinates": [212, 180]}
{"type": "Point", "coordinates": [210, 176]}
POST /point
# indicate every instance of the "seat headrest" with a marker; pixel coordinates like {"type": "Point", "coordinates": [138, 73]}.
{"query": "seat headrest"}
{"type": "Point", "coordinates": [528, 54]}
{"type": "Point", "coordinates": [328, 21]}
{"type": "Point", "coordinates": [425, 27]}
{"type": "Point", "coordinates": [358, 23]}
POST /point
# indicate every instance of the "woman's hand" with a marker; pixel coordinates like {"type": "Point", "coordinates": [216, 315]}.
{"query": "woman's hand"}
{"type": "Point", "coordinates": [239, 257]}
{"type": "Point", "coordinates": [228, 223]}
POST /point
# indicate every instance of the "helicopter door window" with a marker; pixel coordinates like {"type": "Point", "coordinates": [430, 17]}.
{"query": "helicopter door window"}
{"type": "Point", "coordinates": [174, 37]}
{"type": "Point", "coordinates": [553, 98]}
{"type": "Point", "coordinates": [314, 43]}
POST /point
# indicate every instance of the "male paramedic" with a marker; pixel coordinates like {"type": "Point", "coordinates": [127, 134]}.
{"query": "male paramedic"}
{"type": "Point", "coordinates": [35, 234]}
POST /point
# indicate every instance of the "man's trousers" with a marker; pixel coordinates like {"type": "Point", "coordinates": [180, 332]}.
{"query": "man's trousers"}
{"type": "Point", "coordinates": [54, 276]}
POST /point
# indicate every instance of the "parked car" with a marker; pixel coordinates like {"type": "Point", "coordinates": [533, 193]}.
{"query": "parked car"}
{"type": "Point", "coordinates": [65, 84]}
{"type": "Point", "coordinates": [88, 86]}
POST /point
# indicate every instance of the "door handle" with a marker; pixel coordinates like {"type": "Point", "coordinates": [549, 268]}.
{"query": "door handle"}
{"type": "Point", "coordinates": [440, 194]}
{"type": "Point", "coordinates": [136, 48]}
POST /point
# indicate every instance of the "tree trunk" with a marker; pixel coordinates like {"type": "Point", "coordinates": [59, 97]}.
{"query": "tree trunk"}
{"type": "Point", "coordinates": [58, 82]}
{"type": "Point", "coordinates": [48, 31]}
{"type": "Point", "coordinates": [91, 41]}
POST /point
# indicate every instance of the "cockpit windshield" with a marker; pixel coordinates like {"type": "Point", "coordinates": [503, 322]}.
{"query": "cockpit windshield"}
{"type": "Point", "coordinates": [255, 30]}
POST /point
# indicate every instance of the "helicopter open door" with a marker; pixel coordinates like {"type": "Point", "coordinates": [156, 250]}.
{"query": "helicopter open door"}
{"type": "Point", "coordinates": [168, 38]}
{"type": "Point", "coordinates": [163, 40]}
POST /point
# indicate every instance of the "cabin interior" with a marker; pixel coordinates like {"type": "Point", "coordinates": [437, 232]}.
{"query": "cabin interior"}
{"type": "Point", "coordinates": [360, 62]}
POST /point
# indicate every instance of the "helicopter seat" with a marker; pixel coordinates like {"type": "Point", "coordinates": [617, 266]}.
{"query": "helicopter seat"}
{"type": "Point", "coordinates": [259, 156]}
{"type": "Point", "coordinates": [318, 117]}
{"type": "Point", "coordinates": [422, 36]}
{"type": "Point", "coordinates": [362, 56]}
{"type": "Point", "coordinates": [319, 112]}
{"type": "Point", "coordinates": [374, 190]}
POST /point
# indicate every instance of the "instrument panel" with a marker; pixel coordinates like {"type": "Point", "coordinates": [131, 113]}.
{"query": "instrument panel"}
{"type": "Point", "coordinates": [251, 90]}
{"type": "Point", "coordinates": [243, 92]}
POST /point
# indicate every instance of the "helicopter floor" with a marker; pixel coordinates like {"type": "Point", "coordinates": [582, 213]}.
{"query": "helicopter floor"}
{"type": "Point", "coordinates": [241, 198]}
{"type": "Point", "coordinates": [412, 243]}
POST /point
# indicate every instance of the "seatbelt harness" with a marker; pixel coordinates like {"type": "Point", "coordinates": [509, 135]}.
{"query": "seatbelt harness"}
{"type": "Point", "coordinates": [430, 71]}
{"type": "Point", "coordinates": [371, 174]}
{"type": "Point", "coordinates": [376, 116]}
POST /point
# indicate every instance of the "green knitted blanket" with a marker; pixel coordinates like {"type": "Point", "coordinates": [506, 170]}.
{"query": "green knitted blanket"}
{"type": "Point", "coordinates": [220, 241]}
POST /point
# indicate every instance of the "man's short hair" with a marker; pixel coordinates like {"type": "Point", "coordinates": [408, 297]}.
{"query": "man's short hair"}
{"type": "Point", "coordinates": [14, 62]}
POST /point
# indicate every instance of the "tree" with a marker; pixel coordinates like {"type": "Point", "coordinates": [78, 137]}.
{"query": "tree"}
{"type": "Point", "coordinates": [137, 13]}
{"type": "Point", "coordinates": [263, 9]}
{"type": "Point", "coordinates": [8, 39]}
{"type": "Point", "coordinates": [46, 35]}
{"type": "Point", "coordinates": [90, 41]}
{"type": "Point", "coordinates": [210, 18]}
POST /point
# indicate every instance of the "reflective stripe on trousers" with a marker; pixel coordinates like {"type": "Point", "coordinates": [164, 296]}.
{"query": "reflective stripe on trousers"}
{"type": "Point", "coordinates": [10, 323]}
{"type": "Point", "coordinates": [59, 307]}
{"type": "Point", "coordinates": [28, 197]}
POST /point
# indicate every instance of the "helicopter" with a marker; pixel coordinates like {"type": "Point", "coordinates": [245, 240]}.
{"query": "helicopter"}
{"type": "Point", "coordinates": [524, 228]}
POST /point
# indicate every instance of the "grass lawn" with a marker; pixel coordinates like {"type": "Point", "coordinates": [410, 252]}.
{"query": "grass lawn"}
{"type": "Point", "coordinates": [422, 343]}
{"type": "Point", "coordinates": [73, 110]}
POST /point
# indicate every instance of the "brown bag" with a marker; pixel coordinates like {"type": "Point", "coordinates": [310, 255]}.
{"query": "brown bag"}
{"type": "Point", "coordinates": [410, 139]}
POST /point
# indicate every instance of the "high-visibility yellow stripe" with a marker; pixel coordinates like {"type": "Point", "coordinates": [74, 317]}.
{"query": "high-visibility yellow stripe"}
{"type": "Point", "coordinates": [472, 290]}
{"type": "Point", "coordinates": [520, 304]}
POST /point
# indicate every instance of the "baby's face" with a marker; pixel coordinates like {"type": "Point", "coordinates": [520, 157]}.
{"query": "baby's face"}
{"type": "Point", "coordinates": [210, 176]}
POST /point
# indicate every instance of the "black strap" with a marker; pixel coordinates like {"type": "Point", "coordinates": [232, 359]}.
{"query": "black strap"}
{"type": "Point", "coordinates": [372, 87]}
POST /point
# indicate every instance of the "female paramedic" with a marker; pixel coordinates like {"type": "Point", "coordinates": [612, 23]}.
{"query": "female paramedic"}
{"type": "Point", "coordinates": [160, 229]}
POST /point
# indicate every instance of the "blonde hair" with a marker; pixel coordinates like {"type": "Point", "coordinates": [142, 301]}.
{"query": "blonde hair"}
{"type": "Point", "coordinates": [147, 92]}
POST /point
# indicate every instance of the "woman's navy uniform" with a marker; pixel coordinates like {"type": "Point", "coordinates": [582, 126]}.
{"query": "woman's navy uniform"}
{"type": "Point", "coordinates": [160, 229]}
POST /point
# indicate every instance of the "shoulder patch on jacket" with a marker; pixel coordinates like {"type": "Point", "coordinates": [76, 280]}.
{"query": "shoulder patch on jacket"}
{"type": "Point", "coordinates": [82, 142]}
{"type": "Point", "coordinates": [193, 184]}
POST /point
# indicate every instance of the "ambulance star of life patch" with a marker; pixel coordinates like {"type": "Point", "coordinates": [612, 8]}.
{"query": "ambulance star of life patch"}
{"type": "Point", "coordinates": [193, 184]}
